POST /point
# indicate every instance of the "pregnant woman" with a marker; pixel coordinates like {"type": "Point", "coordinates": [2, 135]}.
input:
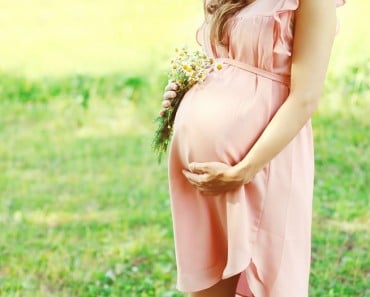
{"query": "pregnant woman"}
{"type": "Point", "coordinates": [241, 164]}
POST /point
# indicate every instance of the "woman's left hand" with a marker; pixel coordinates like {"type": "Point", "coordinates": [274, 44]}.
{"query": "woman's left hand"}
{"type": "Point", "coordinates": [213, 178]}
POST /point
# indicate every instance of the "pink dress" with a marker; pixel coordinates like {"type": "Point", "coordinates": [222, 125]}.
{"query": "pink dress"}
{"type": "Point", "coordinates": [263, 229]}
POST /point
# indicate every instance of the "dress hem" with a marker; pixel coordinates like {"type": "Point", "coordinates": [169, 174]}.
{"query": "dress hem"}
{"type": "Point", "coordinates": [252, 277]}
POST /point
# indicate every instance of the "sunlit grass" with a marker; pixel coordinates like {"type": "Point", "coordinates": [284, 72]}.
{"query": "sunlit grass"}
{"type": "Point", "coordinates": [78, 204]}
{"type": "Point", "coordinates": [84, 205]}
{"type": "Point", "coordinates": [84, 208]}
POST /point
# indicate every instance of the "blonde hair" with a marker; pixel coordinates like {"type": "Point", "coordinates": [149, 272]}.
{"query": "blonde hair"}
{"type": "Point", "coordinates": [221, 11]}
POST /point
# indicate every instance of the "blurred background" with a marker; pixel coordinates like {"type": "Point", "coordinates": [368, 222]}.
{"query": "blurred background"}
{"type": "Point", "coordinates": [83, 202]}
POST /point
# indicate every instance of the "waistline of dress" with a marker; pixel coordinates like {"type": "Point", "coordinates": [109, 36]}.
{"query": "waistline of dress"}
{"type": "Point", "coordinates": [284, 79]}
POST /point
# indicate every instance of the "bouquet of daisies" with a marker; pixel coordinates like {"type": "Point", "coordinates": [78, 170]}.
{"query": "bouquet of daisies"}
{"type": "Point", "coordinates": [187, 68]}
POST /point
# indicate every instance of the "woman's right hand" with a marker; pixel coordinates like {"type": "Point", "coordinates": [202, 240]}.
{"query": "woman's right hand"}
{"type": "Point", "coordinates": [169, 95]}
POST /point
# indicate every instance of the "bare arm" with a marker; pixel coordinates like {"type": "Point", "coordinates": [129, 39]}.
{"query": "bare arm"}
{"type": "Point", "coordinates": [315, 26]}
{"type": "Point", "coordinates": [314, 34]}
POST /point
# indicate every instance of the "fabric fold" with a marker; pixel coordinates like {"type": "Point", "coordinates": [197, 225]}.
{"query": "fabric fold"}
{"type": "Point", "coordinates": [263, 230]}
{"type": "Point", "coordinates": [283, 16]}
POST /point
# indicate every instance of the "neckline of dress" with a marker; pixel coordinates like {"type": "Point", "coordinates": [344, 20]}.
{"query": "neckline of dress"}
{"type": "Point", "coordinates": [206, 30]}
{"type": "Point", "coordinates": [248, 7]}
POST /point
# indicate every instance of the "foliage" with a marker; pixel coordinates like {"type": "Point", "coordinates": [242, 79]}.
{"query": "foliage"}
{"type": "Point", "coordinates": [79, 87]}
{"type": "Point", "coordinates": [84, 207]}
{"type": "Point", "coordinates": [187, 68]}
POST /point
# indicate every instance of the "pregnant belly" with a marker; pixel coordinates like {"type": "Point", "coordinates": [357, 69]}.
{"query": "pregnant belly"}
{"type": "Point", "coordinates": [221, 119]}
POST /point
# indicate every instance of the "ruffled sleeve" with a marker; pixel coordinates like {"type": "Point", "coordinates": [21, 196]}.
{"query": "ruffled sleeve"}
{"type": "Point", "coordinates": [283, 16]}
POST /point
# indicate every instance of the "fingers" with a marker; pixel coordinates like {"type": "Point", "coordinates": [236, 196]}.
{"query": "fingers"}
{"type": "Point", "coordinates": [200, 182]}
{"type": "Point", "coordinates": [166, 103]}
{"type": "Point", "coordinates": [199, 168]}
{"type": "Point", "coordinates": [169, 95]}
{"type": "Point", "coordinates": [196, 180]}
{"type": "Point", "coordinates": [171, 87]}
{"type": "Point", "coordinates": [170, 91]}
{"type": "Point", "coordinates": [162, 113]}
{"type": "Point", "coordinates": [209, 178]}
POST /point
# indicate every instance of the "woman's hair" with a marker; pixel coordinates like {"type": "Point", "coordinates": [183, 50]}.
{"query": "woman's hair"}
{"type": "Point", "coordinates": [221, 11]}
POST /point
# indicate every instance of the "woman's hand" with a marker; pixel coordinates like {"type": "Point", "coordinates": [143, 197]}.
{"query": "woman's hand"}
{"type": "Point", "coordinates": [169, 94]}
{"type": "Point", "coordinates": [213, 178]}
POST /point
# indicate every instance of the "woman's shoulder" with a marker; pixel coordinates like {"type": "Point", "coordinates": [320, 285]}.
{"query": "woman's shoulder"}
{"type": "Point", "coordinates": [267, 8]}
{"type": "Point", "coordinates": [272, 8]}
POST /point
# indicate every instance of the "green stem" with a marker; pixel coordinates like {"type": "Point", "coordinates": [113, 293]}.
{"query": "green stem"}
{"type": "Point", "coordinates": [163, 133]}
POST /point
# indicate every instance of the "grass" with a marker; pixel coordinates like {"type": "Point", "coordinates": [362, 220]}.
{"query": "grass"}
{"type": "Point", "coordinates": [84, 205]}
{"type": "Point", "coordinates": [79, 205]}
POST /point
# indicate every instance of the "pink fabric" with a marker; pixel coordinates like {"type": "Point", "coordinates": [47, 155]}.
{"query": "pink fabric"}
{"type": "Point", "coordinates": [263, 229]}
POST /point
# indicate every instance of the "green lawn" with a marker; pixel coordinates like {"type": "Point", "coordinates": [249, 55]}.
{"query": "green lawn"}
{"type": "Point", "coordinates": [84, 208]}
